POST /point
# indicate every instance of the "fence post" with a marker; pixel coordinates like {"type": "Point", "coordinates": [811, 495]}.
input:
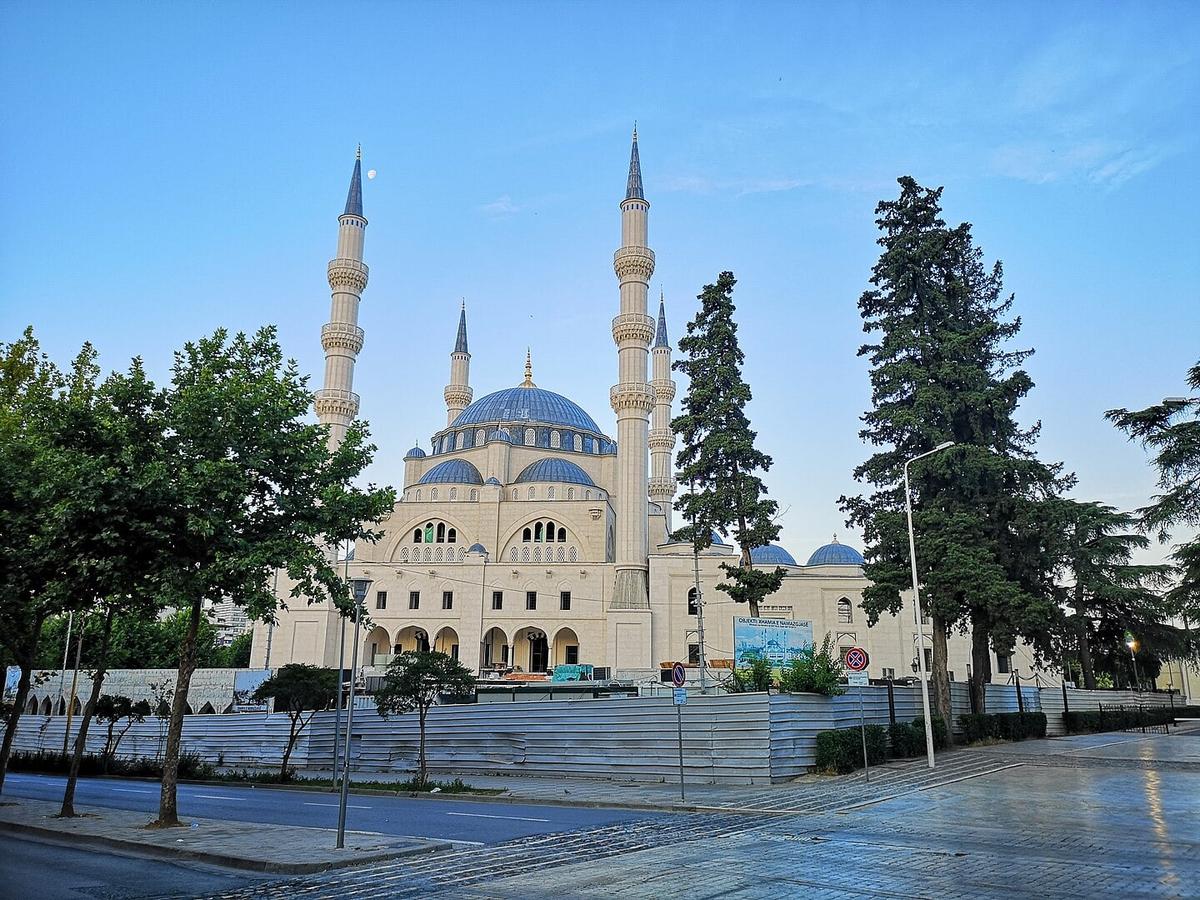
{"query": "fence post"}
{"type": "Point", "coordinates": [891, 703]}
{"type": "Point", "coordinates": [1066, 710]}
{"type": "Point", "coordinates": [1020, 699]}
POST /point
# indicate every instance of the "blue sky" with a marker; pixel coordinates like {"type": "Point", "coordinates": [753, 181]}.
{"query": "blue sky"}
{"type": "Point", "coordinates": [169, 168]}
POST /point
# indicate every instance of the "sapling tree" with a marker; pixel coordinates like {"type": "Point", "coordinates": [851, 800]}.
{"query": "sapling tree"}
{"type": "Point", "coordinates": [298, 688]}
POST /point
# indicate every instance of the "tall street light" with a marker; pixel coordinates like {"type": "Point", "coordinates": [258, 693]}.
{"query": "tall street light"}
{"type": "Point", "coordinates": [358, 588]}
{"type": "Point", "coordinates": [912, 553]}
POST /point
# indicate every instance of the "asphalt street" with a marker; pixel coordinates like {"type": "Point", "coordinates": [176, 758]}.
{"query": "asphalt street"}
{"type": "Point", "coordinates": [470, 822]}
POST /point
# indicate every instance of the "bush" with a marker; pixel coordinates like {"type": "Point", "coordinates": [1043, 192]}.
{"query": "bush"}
{"type": "Point", "coordinates": [757, 676]}
{"type": "Point", "coordinates": [814, 672]}
{"type": "Point", "coordinates": [1093, 720]}
{"type": "Point", "coordinates": [977, 727]}
{"type": "Point", "coordinates": [841, 750]}
{"type": "Point", "coordinates": [52, 762]}
{"type": "Point", "coordinates": [941, 738]}
{"type": "Point", "coordinates": [1012, 726]}
{"type": "Point", "coordinates": [905, 740]}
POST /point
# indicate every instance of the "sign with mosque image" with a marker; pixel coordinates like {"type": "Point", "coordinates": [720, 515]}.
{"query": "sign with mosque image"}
{"type": "Point", "coordinates": [778, 641]}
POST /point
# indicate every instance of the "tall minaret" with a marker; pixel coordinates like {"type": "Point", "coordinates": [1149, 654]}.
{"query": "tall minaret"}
{"type": "Point", "coordinates": [458, 392]}
{"type": "Point", "coordinates": [631, 396]}
{"type": "Point", "coordinates": [662, 438]}
{"type": "Point", "coordinates": [336, 404]}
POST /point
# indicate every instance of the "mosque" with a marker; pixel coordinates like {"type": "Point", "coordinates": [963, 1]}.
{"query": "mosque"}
{"type": "Point", "coordinates": [527, 538]}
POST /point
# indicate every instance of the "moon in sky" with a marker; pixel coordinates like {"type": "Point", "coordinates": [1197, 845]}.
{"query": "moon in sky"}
{"type": "Point", "coordinates": [371, 173]}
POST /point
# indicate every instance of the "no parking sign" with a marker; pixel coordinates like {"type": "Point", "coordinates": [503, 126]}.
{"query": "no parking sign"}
{"type": "Point", "coordinates": [857, 659]}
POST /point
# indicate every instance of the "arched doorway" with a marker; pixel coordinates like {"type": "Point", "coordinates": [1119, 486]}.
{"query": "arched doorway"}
{"type": "Point", "coordinates": [447, 642]}
{"type": "Point", "coordinates": [565, 648]}
{"type": "Point", "coordinates": [31, 707]}
{"type": "Point", "coordinates": [495, 653]}
{"type": "Point", "coordinates": [412, 638]}
{"type": "Point", "coordinates": [532, 649]}
{"type": "Point", "coordinates": [377, 647]}
{"type": "Point", "coordinates": [47, 708]}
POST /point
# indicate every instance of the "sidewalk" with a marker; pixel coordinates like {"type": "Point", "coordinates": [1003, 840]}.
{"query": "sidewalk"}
{"type": "Point", "coordinates": [242, 845]}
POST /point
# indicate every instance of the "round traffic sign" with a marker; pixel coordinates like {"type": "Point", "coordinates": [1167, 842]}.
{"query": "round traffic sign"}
{"type": "Point", "coordinates": [678, 674]}
{"type": "Point", "coordinates": [857, 659]}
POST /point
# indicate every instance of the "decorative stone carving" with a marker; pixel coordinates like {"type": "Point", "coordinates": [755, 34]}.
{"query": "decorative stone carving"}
{"type": "Point", "coordinates": [633, 327]}
{"type": "Point", "coordinates": [347, 273]}
{"type": "Point", "coordinates": [340, 336]}
{"type": "Point", "coordinates": [634, 264]}
{"type": "Point", "coordinates": [631, 395]}
{"type": "Point", "coordinates": [661, 439]}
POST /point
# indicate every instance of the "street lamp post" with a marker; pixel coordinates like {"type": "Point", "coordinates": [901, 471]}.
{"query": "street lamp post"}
{"type": "Point", "coordinates": [337, 715]}
{"type": "Point", "coordinates": [359, 588]}
{"type": "Point", "coordinates": [1132, 645]}
{"type": "Point", "coordinates": [912, 553]}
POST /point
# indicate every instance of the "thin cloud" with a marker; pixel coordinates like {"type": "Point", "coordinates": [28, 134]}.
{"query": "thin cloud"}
{"type": "Point", "coordinates": [502, 207]}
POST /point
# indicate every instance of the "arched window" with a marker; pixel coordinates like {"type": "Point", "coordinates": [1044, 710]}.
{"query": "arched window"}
{"type": "Point", "coordinates": [474, 495]}
{"type": "Point", "coordinates": [572, 555]}
{"type": "Point", "coordinates": [404, 555]}
{"type": "Point", "coordinates": [560, 555]}
{"type": "Point", "coordinates": [530, 436]}
{"type": "Point", "coordinates": [428, 554]}
{"type": "Point", "coordinates": [527, 535]}
{"type": "Point", "coordinates": [845, 611]}
{"type": "Point", "coordinates": [524, 554]}
{"type": "Point", "coordinates": [531, 493]}
{"type": "Point", "coordinates": [452, 536]}
{"type": "Point", "coordinates": [537, 554]}
{"type": "Point", "coordinates": [549, 531]}
{"type": "Point", "coordinates": [512, 554]}
{"type": "Point", "coordinates": [578, 443]}
{"type": "Point", "coordinates": [433, 494]}
{"type": "Point", "coordinates": [550, 493]}
{"type": "Point", "coordinates": [453, 493]}
{"type": "Point", "coordinates": [437, 555]}
{"type": "Point", "coordinates": [418, 495]}
{"type": "Point", "coordinates": [441, 532]}
{"type": "Point", "coordinates": [587, 495]}
{"type": "Point", "coordinates": [416, 535]}
{"type": "Point", "coordinates": [428, 532]}
{"type": "Point", "coordinates": [562, 535]}
{"type": "Point", "coordinates": [462, 553]}
{"type": "Point", "coordinates": [537, 532]}
{"type": "Point", "coordinates": [570, 493]}
{"type": "Point", "coordinates": [693, 606]}
{"type": "Point", "coordinates": [480, 437]}
{"type": "Point", "coordinates": [514, 493]}
{"type": "Point", "coordinates": [554, 439]}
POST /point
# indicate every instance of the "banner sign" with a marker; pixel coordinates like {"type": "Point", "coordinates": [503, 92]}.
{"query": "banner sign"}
{"type": "Point", "coordinates": [572, 672]}
{"type": "Point", "coordinates": [245, 683]}
{"type": "Point", "coordinates": [776, 640]}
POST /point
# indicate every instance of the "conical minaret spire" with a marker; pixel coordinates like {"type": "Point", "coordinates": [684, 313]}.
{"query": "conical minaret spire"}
{"type": "Point", "coordinates": [336, 404]}
{"type": "Point", "coordinates": [458, 392]}
{"type": "Point", "coordinates": [662, 438]}
{"type": "Point", "coordinates": [632, 398]}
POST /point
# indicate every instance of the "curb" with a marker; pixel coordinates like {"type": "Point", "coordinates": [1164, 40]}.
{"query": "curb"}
{"type": "Point", "coordinates": [216, 859]}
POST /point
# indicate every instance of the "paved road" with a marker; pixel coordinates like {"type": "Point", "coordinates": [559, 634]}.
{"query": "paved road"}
{"type": "Point", "coordinates": [53, 871]}
{"type": "Point", "coordinates": [471, 822]}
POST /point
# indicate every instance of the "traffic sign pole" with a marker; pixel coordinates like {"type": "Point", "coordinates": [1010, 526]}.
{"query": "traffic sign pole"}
{"type": "Point", "coordinates": [857, 660]}
{"type": "Point", "coordinates": [679, 723]}
{"type": "Point", "coordinates": [679, 697]}
{"type": "Point", "coordinates": [862, 720]}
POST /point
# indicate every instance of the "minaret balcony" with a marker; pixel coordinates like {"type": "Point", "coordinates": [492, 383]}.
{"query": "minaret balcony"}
{"type": "Point", "coordinates": [631, 395]}
{"type": "Point", "coordinates": [633, 327]}
{"type": "Point", "coordinates": [661, 439]}
{"type": "Point", "coordinates": [662, 487]}
{"type": "Point", "coordinates": [341, 336]}
{"type": "Point", "coordinates": [348, 273]}
{"type": "Point", "coordinates": [664, 389]}
{"type": "Point", "coordinates": [635, 263]}
{"type": "Point", "coordinates": [331, 402]}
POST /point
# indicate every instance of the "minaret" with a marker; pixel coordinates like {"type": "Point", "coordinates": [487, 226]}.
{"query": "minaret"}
{"type": "Point", "coordinates": [336, 404]}
{"type": "Point", "coordinates": [631, 396]}
{"type": "Point", "coordinates": [458, 392]}
{"type": "Point", "coordinates": [662, 438]}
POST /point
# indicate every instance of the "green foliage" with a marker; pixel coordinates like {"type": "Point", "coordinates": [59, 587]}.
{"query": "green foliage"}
{"type": "Point", "coordinates": [237, 654]}
{"type": "Point", "coordinates": [941, 736]}
{"type": "Point", "coordinates": [718, 459]}
{"type": "Point", "coordinates": [56, 763]}
{"type": "Point", "coordinates": [1127, 717]}
{"type": "Point", "coordinates": [758, 676]}
{"type": "Point", "coordinates": [841, 751]}
{"type": "Point", "coordinates": [906, 740]}
{"type": "Point", "coordinates": [815, 671]}
{"type": "Point", "coordinates": [1014, 726]}
{"type": "Point", "coordinates": [942, 370]}
{"type": "Point", "coordinates": [298, 688]}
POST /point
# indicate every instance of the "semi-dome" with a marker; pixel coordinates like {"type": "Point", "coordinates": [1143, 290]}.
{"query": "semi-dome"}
{"type": "Point", "coordinates": [550, 469]}
{"type": "Point", "coordinates": [836, 554]}
{"type": "Point", "coordinates": [771, 555]}
{"type": "Point", "coordinates": [526, 405]}
{"type": "Point", "coordinates": [452, 471]}
{"type": "Point", "coordinates": [414, 453]}
{"type": "Point", "coordinates": [477, 548]}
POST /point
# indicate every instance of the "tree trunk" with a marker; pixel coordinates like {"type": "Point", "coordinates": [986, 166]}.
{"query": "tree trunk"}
{"type": "Point", "coordinates": [422, 773]}
{"type": "Point", "coordinates": [68, 803]}
{"type": "Point", "coordinates": [287, 753]}
{"type": "Point", "coordinates": [981, 667]}
{"type": "Point", "coordinates": [25, 659]}
{"type": "Point", "coordinates": [1085, 654]}
{"type": "Point", "coordinates": [939, 676]}
{"type": "Point", "coordinates": [168, 809]}
{"type": "Point", "coordinates": [109, 749]}
{"type": "Point", "coordinates": [14, 716]}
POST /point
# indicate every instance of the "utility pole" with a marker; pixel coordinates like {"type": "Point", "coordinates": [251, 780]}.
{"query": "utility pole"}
{"type": "Point", "coordinates": [699, 602]}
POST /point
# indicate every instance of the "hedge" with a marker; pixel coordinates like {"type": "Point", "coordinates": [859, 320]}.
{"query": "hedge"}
{"type": "Point", "coordinates": [905, 740]}
{"type": "Point", "coordinates": [54, 762]}
{"type": "Point", "coordinates": [1094, 720]}
{"type": "Point", "coordinates": [841, 750]}
{"type": "Point", "coordinates": [941, 738]}
{"type": "Point", "coordinates": [1010, 726]}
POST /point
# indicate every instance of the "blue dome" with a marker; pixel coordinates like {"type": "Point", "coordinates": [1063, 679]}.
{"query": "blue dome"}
{"type": "Point", "coordinates": [555, 470]}
{"type": "Point", "coordinates": [836, 554]}
{"type": "Point", "coordinates": [493, 480]}
{"type": "Point", "coordinates": [414, 453]}
{"type": "Point", "coordinates": [716, 539]}
{"type": "Point", "coordinates": [526, 404]}
{"type": "Point", "coordinates": [477, 548]}
{"type": "Point", "coordinates": [499, 434]}
{"type": "Point", "coordinates": [771, 555]}
{"type": "Point", "coordinates": [452, 471]}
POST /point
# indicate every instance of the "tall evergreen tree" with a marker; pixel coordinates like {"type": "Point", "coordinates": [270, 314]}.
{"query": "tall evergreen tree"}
{"type": "Point", "coordinates": [942, 370]}
{"type": "Point", "coordinates": [718, 460]}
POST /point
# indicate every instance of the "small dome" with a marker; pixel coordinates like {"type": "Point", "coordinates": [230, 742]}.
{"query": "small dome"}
{"type": "Point", "coordinates": [549, 469]}
{"type": "Point", "coordinates": [414, 453]}
{"type": "Point", "coordinates": [452, 471]}
{"type": "Point", "coordinates": [493, 480]}
{"type": "Point", "coordinates": [836, 554]}
{"type": "Point", "coordinates": [477, 548]}
{"type": "Point", "coordinates": [771, 555]}
{"type": "Point", "coordinates": [716, 539]}
{"type": "Point", "coordinates": [499, 434]}
{"type": "Point", "coordinates": [526, 404]}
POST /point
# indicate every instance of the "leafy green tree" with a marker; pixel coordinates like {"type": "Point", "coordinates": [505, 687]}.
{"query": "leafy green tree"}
{"type": "Point", "coordinates": [755, 676]}
{"type": "Point", "coordinates": [718, 460]}
{"type": "Point", "coordinates": [237, 654]}
{"type": "Point", "coordinates": [941, 370]}
{"type": "Point", "coordinates": [815, 671]}
{"type": "Point", "coordinates": [255, 490]}
{"type": "Point", "coordinates": [1106, 591]}
{"type": "Point", "coordinates": [298, 688]}
{"type": "Point", "coordinates": [114, 708]}
{"type": "Point", "coordinates": [414, 681]}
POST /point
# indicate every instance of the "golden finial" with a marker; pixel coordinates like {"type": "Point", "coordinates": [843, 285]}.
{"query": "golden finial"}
{"type": "Point", "coordinates": [528, 369]}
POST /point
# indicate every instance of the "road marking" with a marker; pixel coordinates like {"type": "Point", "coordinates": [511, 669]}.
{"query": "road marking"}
{"type": "Point", "coordinates": [335, 806]}
{"type": "Point", "coordinates": [218, 797]}
{"type": "Point", "coordinates": [131, 791]}
{"type": "Point", "coordinates": [486, 816]}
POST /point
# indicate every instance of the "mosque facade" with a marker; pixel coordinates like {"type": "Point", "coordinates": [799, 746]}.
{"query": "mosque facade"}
{"type": "Point", "coordinates": [526, 537]}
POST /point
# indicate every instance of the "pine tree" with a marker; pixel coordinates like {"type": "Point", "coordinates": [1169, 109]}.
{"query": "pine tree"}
{"type": "Point", "coordinates": [718, 460]}
{"type": "Point", "coordinates": [941, 370]}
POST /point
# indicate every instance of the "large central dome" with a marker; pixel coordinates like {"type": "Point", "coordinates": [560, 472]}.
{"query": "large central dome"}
{"type": "Point", "coordinates": [526, 404]}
